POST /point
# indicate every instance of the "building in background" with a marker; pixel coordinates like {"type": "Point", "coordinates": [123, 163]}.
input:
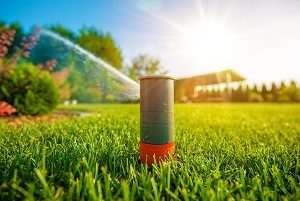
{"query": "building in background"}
{"type": "Point", "coordinates": [212, 87]}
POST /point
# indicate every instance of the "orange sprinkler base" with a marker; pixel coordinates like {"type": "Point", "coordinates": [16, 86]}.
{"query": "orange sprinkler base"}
{"type": "Point", "coordinates": [154, 153]}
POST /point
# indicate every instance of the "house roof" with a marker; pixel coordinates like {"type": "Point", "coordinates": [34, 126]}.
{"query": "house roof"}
{"type": "Point", "coordinates": [213, 78]}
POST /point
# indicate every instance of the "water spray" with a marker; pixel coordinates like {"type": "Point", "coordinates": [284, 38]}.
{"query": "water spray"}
{"type": "Point", "coordinates": [105, 78]}
{"type": "Point", "coordinates": [156, 118]}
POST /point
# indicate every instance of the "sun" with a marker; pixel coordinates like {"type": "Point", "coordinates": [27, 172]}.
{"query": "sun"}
{"type": "Point", "coordinates": [208, 44]}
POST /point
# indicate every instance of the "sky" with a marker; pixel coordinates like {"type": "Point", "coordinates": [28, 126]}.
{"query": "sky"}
{"type": "Point", "coordinates": [260, 39]}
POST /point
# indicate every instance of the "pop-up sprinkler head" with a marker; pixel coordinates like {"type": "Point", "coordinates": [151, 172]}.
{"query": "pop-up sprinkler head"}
{"type": "Point", "coordinates": [157, 118]}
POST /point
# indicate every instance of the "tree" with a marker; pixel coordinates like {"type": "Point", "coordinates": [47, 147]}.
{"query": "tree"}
{"type": "Point", "coordinates": [264, 92]}
{"type": "Point", "coordinates": [63, 31]}
{"type": "Point", "coordinates": [102, 45]}
{"type": "Point", "coordinates": [294, 91]}
{"type": "Point", "coordinates": [283, 95]}
{"type": "Point", "coordinates": [144, 65]}
{"type": "Point", "coordinates": [247, 93]}
{"type": "Point", "coordinates": [255, 95]}
{"type": "Point", "coordinates": [290, 93]}
{"type": "Point", "coordinates": [237, 94]}
{"type": "Point", "coordinates": [282, 85]}
{"type": "Point", "coordinates": [274, 92]}
{"type": "Point", "coordinates": [255, 88]}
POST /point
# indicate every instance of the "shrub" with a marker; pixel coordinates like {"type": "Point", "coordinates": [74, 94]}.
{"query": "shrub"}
{"type": "Point", "coordinates": [30, 90]}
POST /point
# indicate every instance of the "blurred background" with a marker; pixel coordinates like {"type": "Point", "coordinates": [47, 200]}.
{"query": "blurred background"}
{"type": "Point", "coordinates": [92, 51]}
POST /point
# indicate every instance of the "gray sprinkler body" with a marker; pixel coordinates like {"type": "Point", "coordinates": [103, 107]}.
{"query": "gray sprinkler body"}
{"type": "Point", "coordinates": [157, 109]}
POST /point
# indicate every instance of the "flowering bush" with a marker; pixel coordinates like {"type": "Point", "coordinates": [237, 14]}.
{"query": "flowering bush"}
{"type": "Point", "coordinates": [26, 45]}
{"type": "Point", "coordinates": [6, 38]}
{"type": "Point", "coordinates": [29, 89]}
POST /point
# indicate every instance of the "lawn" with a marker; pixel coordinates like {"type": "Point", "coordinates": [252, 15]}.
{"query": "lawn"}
{"type": "Point", "coordinates": [223, 152]}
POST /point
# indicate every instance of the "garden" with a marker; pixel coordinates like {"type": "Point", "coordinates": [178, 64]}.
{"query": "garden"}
{"type": "Point", "coordinates": [70, 128]}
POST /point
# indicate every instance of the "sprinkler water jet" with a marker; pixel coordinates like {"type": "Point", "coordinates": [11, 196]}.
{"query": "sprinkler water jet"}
{"type": "Point", "coordinates": [156, 118]}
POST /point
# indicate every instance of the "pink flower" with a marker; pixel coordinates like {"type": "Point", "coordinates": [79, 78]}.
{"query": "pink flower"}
{"type": "Point", "coordinates": [6, 109]}
{"type": "Point", "coordinates": [6, 38]}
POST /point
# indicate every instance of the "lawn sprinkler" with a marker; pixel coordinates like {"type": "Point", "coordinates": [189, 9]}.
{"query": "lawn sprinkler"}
{"type": "Point", "coordinates": [156, 118]}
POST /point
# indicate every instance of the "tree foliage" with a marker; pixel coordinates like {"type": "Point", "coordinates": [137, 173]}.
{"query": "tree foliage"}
{"type": "Point", "coordinates": [102, 45]}
{"type": "Point", "coordinates": [63, 31]}
{"type": "Point", "coordinates": [266, 93]}
{"type": "Point", "coordinates": [144, 65]}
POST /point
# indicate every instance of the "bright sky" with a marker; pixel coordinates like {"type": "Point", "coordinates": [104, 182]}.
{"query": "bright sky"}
{"type": "Point", "coordinates": [260, 39]}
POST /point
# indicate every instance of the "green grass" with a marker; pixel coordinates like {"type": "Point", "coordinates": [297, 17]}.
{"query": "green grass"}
{"type": "Point", "coordinates": [224, 152]}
